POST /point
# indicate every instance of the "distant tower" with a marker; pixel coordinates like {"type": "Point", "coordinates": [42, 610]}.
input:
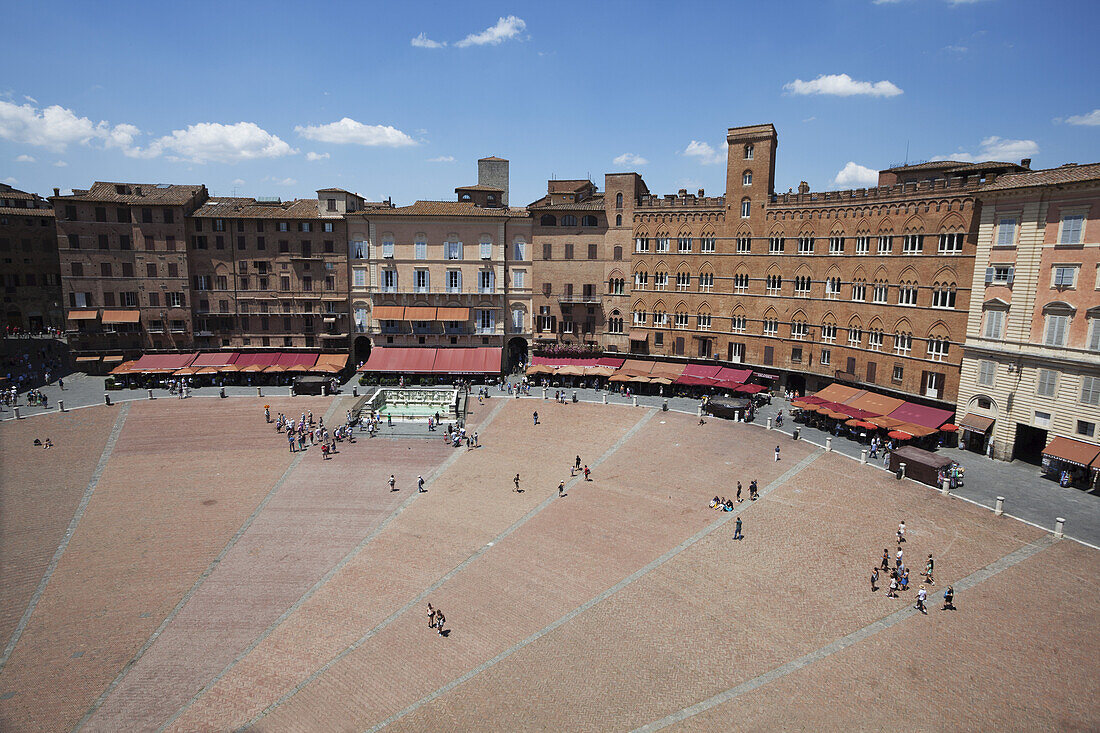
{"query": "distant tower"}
{"type": "Point", "coordinates": [493, 171]}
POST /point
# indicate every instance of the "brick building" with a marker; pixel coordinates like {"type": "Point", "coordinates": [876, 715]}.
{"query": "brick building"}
{"type": "Point", "coordinates": [443, 273]}
{"type": "Point", "coordinates": [124, 268]}
{"type": "Point", "coordinates": [867, 286]}
{"type": "Point", "coordinates": [1031, 362]}
{"type": "Point", "coordinates": [269, 273]}
{"type": "Point", "coordinates": [29, 265]}
{"type": "Point", "coordinates": [581, 261]}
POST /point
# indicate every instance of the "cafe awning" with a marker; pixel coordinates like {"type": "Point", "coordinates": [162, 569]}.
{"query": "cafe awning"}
{"type": "Point", "coordinates": [113, 359]}
{"type": "Point", "coordinates": [163, 362]}
{"type": "Point", "coordinates": [127, 316]}
{"type": "Point", "coordinates": [976, 423]}
{"type": "Point", "coordinates": [1077, 452]}
{"type": "Point", "coordinates": [929, 417]}
{"type": "Point", "coordinates": [388, 313]}
{"type": "Point", "coordinates": [86, 359]}
{"type": "Point", "coordinates": [419, 313]}
{"type": "Point", "coordinates": [638, 336]}
{"type": "Point", "coordinates": [330, 363]}
{"type": "Point", "coordinates": [839, 393]}
{"type": "Point", "coordinates": [448, 313]}
{"type": "Point", "coordinates": [215, 358]}
{"type": "Point", "coordinates": [83, 315]}
{"type": "Point", "coordinates": [297, 361]}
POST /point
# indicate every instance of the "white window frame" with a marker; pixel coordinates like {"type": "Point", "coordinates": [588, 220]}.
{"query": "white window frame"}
{"type": "Point", "coordinates": [387, 249]}
{"type": "Point", "coordinates": [706, 282]}
{"type": "Point", "coordinates": [885, 244]}
{"type": "Point", "coordinates": [746, 209]}
{"type": "Point", "coordinates": [776, 245]}
{"type": "Point", "coordinates": [452, 250]}
{"type": "Point", "coordinates": [1046, 383]}
{"type": "Point", "coordinates": [683, 281]}
{"type": "Point", "coordinates": [738, 324]}
{"type": "Point", "coordinates": [741, 282]}
{"type": "Point", "coordinates": [421, 280]}
{"type": "Point", "coordinates": [799, 330]}
{"type": "Point", "coordinates": [389, 280]}
{"type": "Point", "coordinates": [683, 244]}
{"type": "Point", "coordinates": [994, 325]}
{"type": "Point", "coordinates": [836, 245]}
{"type": "Point", "coordinates": [486, 250]}
{"type": "Point", "coordinates": [359, 277]}
{"type": "Point", "coordinates": [903, 343]}
{"type": "Point", "coordinates": [770, 327]}
{"type": "Point", "coordinates": [875, 339]}
{"type": "Point", "coordinates": [420, 249]}
{"type": "Point", "coordinates": [855, 336]}
{"type": "Point", "coordinates": [881, 293]}
{"type": "Point", "coordinates": [703, 321]}
{"type": "Point", "coordinates": [907, 294]}
{"type": "Point", "coordinates": [1064, 276]}
{"type": "Point", "coordinates": [951, 243]}
{"type": "Point", "coordinates": [454, 281]}
{"type": "Point", "coordinates": [987, 373]}
{"type": "Point", "coordinates": [519, 250]}
{"type": "Point", "coordinates": [661, 245]}
{"type": "Point", "coordinates": [1055, 330]}
{"type": "Point", "coordinates": [1006, 231]}
{"type": "Point", "coordinates": [746, 178]}
{"type": "Point", "coordinates": [805, 245]}
{"type": "Point", "coordinates": [1075, 233]}
{"type": "Point", "coordinates": [707, 244]}
{"type": "Point", "coordinates": [641, 244]}
{"type": "Point", "coordinates": [863, 245]}
{"type": "Point", "coordinates": [828, 333]}
{"type": "Point", "coordinates": [486, 281]}
{"type": "Point", "coordinates": [938, 349]}
{"type": "Point", "coordinates": [912, 244]}
{"type": "Point", "coordinates": [1090, 391]}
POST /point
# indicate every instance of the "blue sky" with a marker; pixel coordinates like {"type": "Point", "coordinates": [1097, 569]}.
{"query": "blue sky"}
{"type": "Point", "coordinates": [400, 99]}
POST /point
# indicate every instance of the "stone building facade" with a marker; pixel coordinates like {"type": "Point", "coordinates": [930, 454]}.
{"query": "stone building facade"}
{"type": "Point", "coordinates": [443, 273]}
{"type": "Point", "coordinates": [124, 268]}
{"type": "Point", "coordinates": [1031, 361]}
{"type": "Point", "coordinates": [30, 270]}
{"type": "Point", "coordinates": [270, 274]}
{"type": "Point", "coordinates": [581, 250]}
{"type": "Point", "coordinates": [870, 286]}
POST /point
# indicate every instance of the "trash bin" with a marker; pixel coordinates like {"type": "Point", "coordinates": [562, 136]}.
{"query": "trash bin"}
{"type": "Point", "coordinates": [794, 435]}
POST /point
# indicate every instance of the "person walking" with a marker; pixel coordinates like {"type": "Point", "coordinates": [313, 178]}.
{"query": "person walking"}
{"type": "Point", "coordinates": [420, 485]}
{"type": "Point", "coordinates": [267, 414]}
{"type": "Point", "coordinates": [901, 531]}
{"type": "Point", "coordinates": [885, 559]}
{"type": "Point", "coordinates": [874, 579]}
{"type": "Point", "coordinates": [586, 473]}
{"type": "Point", "coordinates": [440, 619]}
{"type": "Point", "coordinates": [777, 454]}
{"type": "Point", "coordinates": [578, 463]}
{"type": "Point", "coordinates": [561, 488]}
{"type": "Point", "coordinates": [431, 617]}
{"type": "Point", "coordinates": [290, 439]}
{"type": "Point", "coordinates": [948, 599]}
{"type": "Point", "coordinates": [922, 594]}
{"type": "Point", "coordinates": [739, 499]}
{"type": "Point", "coordinates": [393, 483]}
{"type": "Point", "coordinates": [737, 530]}
{"type": "Point", "coordinates": [897, 562]}
{"type": "Point", "coordinates": [928, 566]}
{"type": "Point", "coordinates": [518, 490]}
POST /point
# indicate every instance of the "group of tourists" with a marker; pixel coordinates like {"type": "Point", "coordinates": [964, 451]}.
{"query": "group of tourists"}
{"type": "Point", "coordinates": [723, 504]}
{"type": "Point", "coordinates": [305, 429]}
{"type": "Point", "coordinates": [899, 576]}
{"type": "Point", "coordinates": [436, 619]}
{"type": "Point", "coordinates": [36, 398]}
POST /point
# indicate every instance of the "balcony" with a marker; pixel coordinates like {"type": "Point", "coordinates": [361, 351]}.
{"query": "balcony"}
{"type": "Point", "coordinates": [583, 299]}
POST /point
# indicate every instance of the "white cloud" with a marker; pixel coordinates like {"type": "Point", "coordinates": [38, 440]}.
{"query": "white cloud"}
{"type": "Point", "coordinates": [997, 149]}
{"type": "Point", "coordinates": [842, 85]}
{"type": "Point", "coordinates": [288, 181]}
{"type": "Point", "coordinates": [213, 141]}
{"type": "Point", "coordinates": [30, 99]}
{"type": "Point", "coordinates": [632, 159]}
{"type": "Point", "coordinates": [705, 153]}
{"type": "Point", "coordinates": [54, 127]}
{"type": "Point", "coordinates": [348, 131]}
{"type": "Point", "coordinates": [1091, 119]}
{"type": "Point", "coordinates": [311, 156]}
{"type": "Point", "coordinates": [954, 3]}
{"type": "Point", "coordinates": [10, 181]}
{"type": "Point", "coordinates": [809, 119]}
{"type": "Point", "coordinates": [238, 181]}
{"type": "Point", "coordinates": [60, 164]}
{"type": "Point", "coordinates": [504, 30]}
{"type": "Point", "coordinates": [956, 49]}
{"type": "Point", "coordinates": [24, 159]}
{"type": "Point", "coordinates": [854, 175]}
{"type": "Point", "coordinates": [442, 159]}
{"type": "Point", "coordinates": [422, 41]}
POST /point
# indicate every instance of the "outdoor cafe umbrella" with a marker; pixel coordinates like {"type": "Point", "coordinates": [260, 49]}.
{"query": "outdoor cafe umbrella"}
{"type": "Point", "coordinates": [899, 435]}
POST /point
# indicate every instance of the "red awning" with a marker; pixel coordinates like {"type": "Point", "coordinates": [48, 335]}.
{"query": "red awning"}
{"type": "Point", "coordinates": [419, 361]}
{"type": "Point", "coordinates": [691, 381]}
{"type": "Point", "coordinates": [565, 361]}
{"type": "Point", "coordinates": [609, 361]}
{"type": "Point", "coordinates": [733, 375]}
{"type": "Point", "coordinates": [215, 358]}
{"type": "Point", "coordinates": [298, 360]}
{"type": "Point", "coordinates": [1072, 451]}
{"type": "Point", "coordinates": [150, 362]}
{"type": "Point", "coordinates": [750, 388]}
{"type": "Point", "coordinates": [929, 417]}
{"type": "Point", "coordinates": [701, 370]}
{"type": "Point", "coordinates": [491, 359]}
{"type": "Point", "coordinates": [262, 360]}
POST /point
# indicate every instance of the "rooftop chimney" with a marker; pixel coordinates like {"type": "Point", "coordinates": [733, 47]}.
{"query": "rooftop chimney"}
{"type": "Point", "coordinates": [803, 187]}
{"type": "Point", "coordinates": [701, 193]}
{"type": "Point", "coordinates": [57, 192]}
{"type": "Point", "coordinates": [1026, 163]}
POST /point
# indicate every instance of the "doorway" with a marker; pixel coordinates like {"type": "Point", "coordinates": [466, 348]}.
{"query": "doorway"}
{"type": "Point", "coordinates": [1029, 444]}
{"type": "Point", "coordinates": [517, 352]}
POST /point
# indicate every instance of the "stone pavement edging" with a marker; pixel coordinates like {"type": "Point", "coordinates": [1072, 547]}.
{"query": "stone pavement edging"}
{"type": "Point", "coordinates": [650, 412]}
{"type": "Point", "coordinates": [637, 574]}
{"type": "Point", "coordinates": [975, 578]}
{"type": "Point", "coordinates": [439, 471]}
{"type": "Point", "coordinates": [85, 499]}
{"type": "Point", "coordinates": [298, 456]}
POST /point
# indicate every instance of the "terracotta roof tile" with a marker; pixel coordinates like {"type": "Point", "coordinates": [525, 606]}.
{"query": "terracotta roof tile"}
{"type": "Point", "coordinates": [246, 208]}
{"type": "Point", "coordinates": [151, 193]}
{"type": "Point", "coordinates": [7, 192]}
{"type": "Point", "coordinates": [494, 158]}
{"type": "Point", "coordinates": [445, 208]}
{"type": "Point", "coordinates": [479, 187]}
{"type": "Point", "coordinates": [596, 203]}
{"type": "Point", "coordinates": [37, 213]}
{"type": "Point", "coordinates": [1046, 177]}
{"type": "Point", "coordinates": [570, 185]}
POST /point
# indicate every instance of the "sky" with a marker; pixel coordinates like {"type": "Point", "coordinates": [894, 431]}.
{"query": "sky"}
{"type": "Point", "coordinates": [401, 99]}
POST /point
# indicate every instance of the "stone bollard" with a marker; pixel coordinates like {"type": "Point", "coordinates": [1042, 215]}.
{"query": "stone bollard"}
{"type": "Point", "coordinates": [769, 423]}
{"type": "Point", "coordinates": [355, 391]}
{"type": "Point", "coordinates": [901, 470]}
{"type": "Point", "coordinates": [863, 456]}
{"type": "Point", "coordinates": [945, 486]}
{"type": "Point", "coordinates": [61, 405]}
{"type": "Point", "coordinates": [829, 444]}
{"type": "Point", "coordinates": [605, 398]}
{"type": "Point", "coordinates": [324, 390]}
{"type": "Point", "coordinates": [544, 393]}
{"type": "Point", "coordinates": [290, 390]}
{"type": "Point", "coordinates": [635, 398]}
{"type": "Point", "coordinates": [17, 415]}
{"type": "Point", "coordinates": [737, 416]}
{"type": "Point", "coordinates": [106, 399]}
{"type": "Point", "coordinates": [999, 509]}
{"type": "Point", "coordinates": [151, 395]}
{"type": "Point", "coordinates": [1059, 524]}
{"type": "Point", "coordinates": [259, 392]}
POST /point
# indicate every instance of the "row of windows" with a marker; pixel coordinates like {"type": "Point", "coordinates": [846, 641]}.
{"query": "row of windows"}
{"type": "Point", "coordinates": [1071, 229]}
{"type": "Point", "coordinates": [28, 221]}
{"type": "Point", "coordinates": [568, 251]}
{"type": "Point", "coordinates": [1046, 384]}
{"type": "Point", "coordinates": [1062, 276]}
{"type": "Point", "coordinates": [910, 244]}
{"type": "Point", "coordinates": [683, 244]}
{"type": "Point", "coordinates": [128, 299]}
{"type": "Point", "coordinates": [452, 280]}
{"type": "Point", "coordinates": [122, 214]}
{"type": "Point", "coordinates": [1056, 328]}
{"type": "Point", "coordinates": [30, 279]}
{"type": "Point", "coordinates": [452, 249]}
{"type": "Point", "coordinates": [44, 245]}
{"type": "Point", "coordinates": [222, 282]}
{"type": "Point", "coordinates": [568, 220]}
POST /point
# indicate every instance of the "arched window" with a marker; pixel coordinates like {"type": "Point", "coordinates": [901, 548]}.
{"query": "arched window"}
{"type": "Point", "coordinates": [618, 220]}
{"type": "Point", "coordinates": [548, 220]}
{"type": "Point", "coordinates": [748, 151]}
{"type": "Point", "coordinates": [569, 220]}
{"type": "Point", "coordinates": [618, 201]}
{"type": "Point", "coordinates": [618, 253]}
{"type": "Point", "coordinates": [746, 178]}
{"type": "Point", "coordinates": [746, 208]}
{"type": "Point", "coordinates": [465, 197]}
{"type": "Point", "coordinates": [589, 221]}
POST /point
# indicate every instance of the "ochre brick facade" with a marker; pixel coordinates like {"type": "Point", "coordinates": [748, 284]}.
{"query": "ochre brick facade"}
{"type": "Point", "coordinates": [29, 266]}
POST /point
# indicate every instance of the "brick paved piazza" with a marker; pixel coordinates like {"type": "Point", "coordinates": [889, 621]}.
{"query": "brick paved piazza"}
{"type": "Point", "coordinates": [169, 565]}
